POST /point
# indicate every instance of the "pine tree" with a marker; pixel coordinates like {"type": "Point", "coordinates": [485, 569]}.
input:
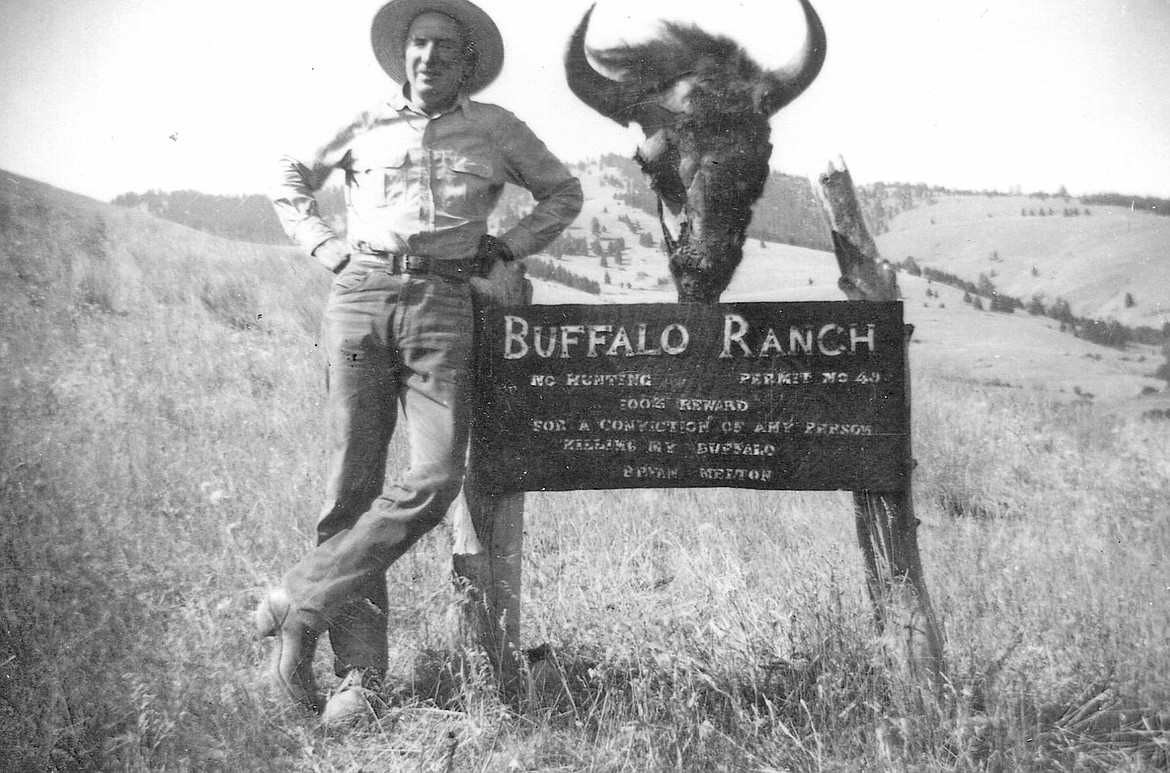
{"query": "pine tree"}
{"type": "Point", "coordinates": [1060, 310]}
{"type": "Point", "coordinates": [985, 285]}
{"type": "Point", "coordinates": [1163, 370]}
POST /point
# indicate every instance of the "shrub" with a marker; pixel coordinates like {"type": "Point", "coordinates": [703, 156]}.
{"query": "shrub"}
{"type": "Point", "coordinates": [1163, 370]}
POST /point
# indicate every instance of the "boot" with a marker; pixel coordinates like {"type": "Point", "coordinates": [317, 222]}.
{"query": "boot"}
{"type": "Point", "coordinates": [358, 698]}
{"type": "Point", "coordinates": [291, 665]}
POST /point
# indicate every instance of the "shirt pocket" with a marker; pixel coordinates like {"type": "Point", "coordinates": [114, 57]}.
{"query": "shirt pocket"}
{"type": "Point", "coordinates": [467, 189]}
{"type": "Point", "coordinates": [380, 179]}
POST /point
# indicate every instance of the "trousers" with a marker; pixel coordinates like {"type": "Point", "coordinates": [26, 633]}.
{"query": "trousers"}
{"type": "Point", "coordinates": [395, 344]}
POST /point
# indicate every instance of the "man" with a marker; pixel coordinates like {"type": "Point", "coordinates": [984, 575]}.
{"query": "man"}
{"type": "Point", "coordinates": [422, 173]}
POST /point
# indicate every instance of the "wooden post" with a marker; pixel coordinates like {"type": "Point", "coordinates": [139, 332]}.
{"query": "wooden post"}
{"type": "Point", "coordinates": [886, 527]}
{"type": "Point", "coordinates": [488, 538]}
{"type": "Point", "coordinates": [488, 534]}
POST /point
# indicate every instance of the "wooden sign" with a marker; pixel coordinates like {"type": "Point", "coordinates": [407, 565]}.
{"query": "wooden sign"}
{"type": "Point", "coordinates": [808, 396]}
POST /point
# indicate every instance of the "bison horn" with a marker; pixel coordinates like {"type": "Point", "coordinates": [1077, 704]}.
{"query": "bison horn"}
{"type": "Point", "coordinates": [786, 83]}
{"type": "Point", "coordinates": [615, 100]}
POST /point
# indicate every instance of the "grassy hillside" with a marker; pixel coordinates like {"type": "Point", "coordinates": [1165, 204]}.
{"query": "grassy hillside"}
{"type": "Point", "coordinates": [160, 464]}
{"type": "Point", "coordinates": [1092, 260]}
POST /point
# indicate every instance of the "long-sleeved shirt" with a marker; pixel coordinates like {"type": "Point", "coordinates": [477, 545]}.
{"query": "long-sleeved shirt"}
{"type": "Point", "coordinates": [425, 186]}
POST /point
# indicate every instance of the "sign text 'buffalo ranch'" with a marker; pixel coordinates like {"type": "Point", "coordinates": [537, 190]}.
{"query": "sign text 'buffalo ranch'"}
{"type": "Point", "coordinates": [763, 395]}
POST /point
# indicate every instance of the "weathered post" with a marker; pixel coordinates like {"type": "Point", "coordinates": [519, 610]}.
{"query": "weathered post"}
{"type": "Point", "coordinates": [886, 527]}
{"type": "Point", "coordinates": [488, 536]}
{"type": "Point", "coordinates": [487, 539]}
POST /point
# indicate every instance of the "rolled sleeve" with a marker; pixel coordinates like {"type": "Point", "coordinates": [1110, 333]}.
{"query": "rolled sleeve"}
{"type": "Point", "coordinates": [296, 207]}
{"type": "Point", "coordinates": [296, 183]}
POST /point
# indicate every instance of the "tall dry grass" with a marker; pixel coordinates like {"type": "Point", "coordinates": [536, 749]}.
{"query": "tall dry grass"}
{"type": "Point", "coordinates": [160, 462]}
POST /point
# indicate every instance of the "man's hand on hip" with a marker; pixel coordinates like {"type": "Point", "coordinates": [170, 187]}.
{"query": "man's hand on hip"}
{"type": "Point", "coordinates": [333, 253]}
{"type": "Point", "coordinates": [490, 252]}
{"type": "Point", "coordinates": [504, 284]}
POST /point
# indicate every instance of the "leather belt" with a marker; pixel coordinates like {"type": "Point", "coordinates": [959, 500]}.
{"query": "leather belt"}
{"type": "Point", "coordinates": [421, 265]}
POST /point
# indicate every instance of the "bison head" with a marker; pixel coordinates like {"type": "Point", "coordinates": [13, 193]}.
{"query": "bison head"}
{"type": "Point", "coordinates": [704, 106]}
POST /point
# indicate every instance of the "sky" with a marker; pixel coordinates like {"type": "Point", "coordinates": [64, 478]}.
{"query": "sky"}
{"type": "Point", "coordinates": [103, 97]}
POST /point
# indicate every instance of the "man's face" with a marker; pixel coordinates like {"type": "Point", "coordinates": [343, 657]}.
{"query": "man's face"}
{"type": "Point", "coordinates": [436, 60]}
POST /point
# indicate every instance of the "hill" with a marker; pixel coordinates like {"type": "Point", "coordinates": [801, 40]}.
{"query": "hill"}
{"type": "Point", "coordinates": [245, 218]}
{"type": "Point", "coordinates": [161, 463]}
{"type": "Point", "coordinates": [1108, 262]}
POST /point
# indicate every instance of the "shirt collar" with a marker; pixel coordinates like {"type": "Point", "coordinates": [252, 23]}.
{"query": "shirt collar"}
{"type": "Point", "coordinates": [400, 102]}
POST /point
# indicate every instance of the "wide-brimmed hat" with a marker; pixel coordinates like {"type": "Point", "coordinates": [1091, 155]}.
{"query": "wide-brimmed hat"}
{"type": "Point", "coordinates": [392, 22]}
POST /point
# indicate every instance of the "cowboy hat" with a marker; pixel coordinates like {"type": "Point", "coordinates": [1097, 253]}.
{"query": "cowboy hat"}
{"type": "Point", "coordinates": [392, 22]}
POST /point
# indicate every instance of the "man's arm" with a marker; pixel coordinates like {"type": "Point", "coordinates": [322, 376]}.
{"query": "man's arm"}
{"type": "Point", "coordinates": [293, 197]}
{"type": "Point", "coordinates": [557, 192]}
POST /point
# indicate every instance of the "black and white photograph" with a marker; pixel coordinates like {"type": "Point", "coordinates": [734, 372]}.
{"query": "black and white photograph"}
{"type": "Point", "coordinates": [777, 386]}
